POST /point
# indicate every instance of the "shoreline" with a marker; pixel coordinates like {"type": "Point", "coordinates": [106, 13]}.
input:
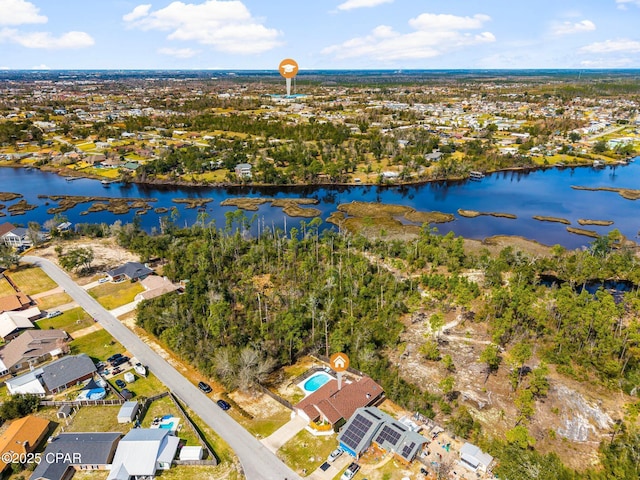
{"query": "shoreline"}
{"type": "Point", "coordinates": [64, 172]}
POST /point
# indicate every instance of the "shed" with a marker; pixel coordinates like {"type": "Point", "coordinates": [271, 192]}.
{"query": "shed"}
{"type": "Point", "coordinates": [192, 453]}
{"type": "Point", "coordinates": [64, 411]}
{"type": "Point", "coordinates": [128, 412]}
{"type": "Point", "coordinates": [473, 458]}
{"type": "Point", "coordinates": [129, 377]}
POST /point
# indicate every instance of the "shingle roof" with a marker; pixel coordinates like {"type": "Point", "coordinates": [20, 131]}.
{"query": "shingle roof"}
{"type": "Point", "coordinates": [66, 370]}
{"type": "Point", "coordinates": [89, 448]}
{"type": "Point", "coordinates": [31, 344]}
{"type": "Point", "coordinates": [6, 228]}
{"type": "Point", "coordinates": [130, 269]}
{"type": "Point", "coordinates": [141, 449]}
{"type": "Point", "coordinates": [14, 302]}
{"type": "Point", "coordinates": [335, 404]}
{"type": "Point", "coordinates": [28, 429]}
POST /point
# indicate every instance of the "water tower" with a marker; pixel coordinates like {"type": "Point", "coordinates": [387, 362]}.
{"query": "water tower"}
{"type": "Point", "coordinates": [288, 69]}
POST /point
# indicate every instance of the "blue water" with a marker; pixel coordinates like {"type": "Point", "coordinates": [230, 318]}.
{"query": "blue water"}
{"type": "Point", "coordinates": [316, 381]}
{"type": "Point", "coordinates": [543, 192]}
{"type": "Point", "coordinates": [167, 426]}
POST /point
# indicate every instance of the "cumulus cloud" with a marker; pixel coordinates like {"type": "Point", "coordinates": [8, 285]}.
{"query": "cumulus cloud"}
{"type": "Point", "coordinates": [622, 4]}
{"type": "Point", "coordinates": [568, 28]}
{"type": "Point", "coordinates": [352, 4]}
{"type": "Point", "coordinates": [607, 63]}
{"type": "Point", "coordinates": [177, 52]}
{"type": "Point", "coordinates": [227, 26]}
{"type": "Point", "coordinates": [433, 35]}
{"type": "Point", "coordinates": [42, 66]}
{"type": "Point", "coordinates": [19, 12]}
{"type": "Point", "coordinates": [46, 40]}
{"type": "Point", "coordinates": [613, 46]}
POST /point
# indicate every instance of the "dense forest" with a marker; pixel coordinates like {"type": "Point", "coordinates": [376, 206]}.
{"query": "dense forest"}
{"type": "Point", "coordinates": [254, 304]}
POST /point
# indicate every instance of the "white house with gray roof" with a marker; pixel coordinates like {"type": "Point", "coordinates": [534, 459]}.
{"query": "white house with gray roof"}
{"type": "Point", "coordinates": [53, 377]}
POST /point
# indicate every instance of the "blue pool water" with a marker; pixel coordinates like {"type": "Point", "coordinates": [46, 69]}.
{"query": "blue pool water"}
{"type": "Point", "coordinates": [316, 381]}
{"type": "Point", "coordinates": [167, 426]}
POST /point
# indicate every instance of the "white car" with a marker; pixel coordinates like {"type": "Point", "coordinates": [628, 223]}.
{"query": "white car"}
{"type": "Point", "coordinates": [54, 313]}
{"type": "Point", "coordinates": [350, 472]}
{"type": "Point", "coordinates": [333, 455]}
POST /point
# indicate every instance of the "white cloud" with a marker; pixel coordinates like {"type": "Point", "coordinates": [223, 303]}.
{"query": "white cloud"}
{"type": "Point", "coordinates": [351, 4]}
{"type": "Point", "coordinates": [227, 26]}
{"type": "Point", "coordinates": [138, 12]}
{"type": "Point", "coordinates": [19, 12]}
{"type": "Point", "coordinates": [568, 28]}
{"type": "Point", "coordinates": [607, 63]}
{"type": "Point", "coordinates": [613, 46]}
{"type": "Point", "coordinates": [46, 40]}
{"type": "Point", "coordinates": [42, 66]}
{"type": "Point", "coordinates": [622, 4]}
{"type": "Point", "coordinates": [434, 35]}
{"type": "Point", "coordinates": [178, 52]}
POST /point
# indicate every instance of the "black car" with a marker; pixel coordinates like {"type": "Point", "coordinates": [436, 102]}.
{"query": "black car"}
{"type": "Point", "coordinates": [119, 361]}
{"type": "Point", "coordinates": [126, 394]}
{"type": "Point", "coordinates": [223, 405]}
{"type": "Point", "coordinates": [113, 357]}
{"type": "Point", "coordinates": [204, 387]}
{"type": "Point", "coordinates": [120, 383]}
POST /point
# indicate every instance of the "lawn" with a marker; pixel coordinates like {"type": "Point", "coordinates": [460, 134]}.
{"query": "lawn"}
{"type": "Point", "coordinates": [53, 300]}
{"type": "Point", "coordinates": [264, 426]}
{"type": "Point", "coordinates": [144, 387]}
{"type": "Point", "coordinates": [220, 447]}
{"type": "Point", "coordinates": [31, 280]}
{"type": "Point", "coordinates": [165, 406]}
{"type": "Point", "coordinates": [70, 321]}
{"type": "Point", "coordinates": [306, 451]}
{"type": "Point", "coordinates": [98, 419]}
{"type": "Point", "coordinates": [98, 345]}
{"type": "Point", "coordinates": [6, 288]}
{"type": "Point", "coordinates": [113, 295]}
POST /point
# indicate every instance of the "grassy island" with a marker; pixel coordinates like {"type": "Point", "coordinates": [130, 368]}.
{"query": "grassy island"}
{"type": "Point", "coordinates": [543, 218]}
{"type": "Point", "coordinates": [474, 213]}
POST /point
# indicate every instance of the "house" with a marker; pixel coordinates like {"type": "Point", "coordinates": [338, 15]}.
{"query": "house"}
{"type": "Point", "coordinates": [53, 377]}
{"type": "Point", "coordinates": [142, 452]}
{"type": "Point", "coordinates": [128, 412]}
{"type": "Point", "coordinates": [19, 301]}
{"type": "Point", "coordinates": [70, 452]}
{"type": "Point", "coordinates": [12, 323]}
{"type": "Point", "coordinates": [474, 459]}
{"type": "Point", "coordinates": [243, 170]}
{"type": "Point", "coordinates": [32, 348]}
{"type": "Point", "coordinates": [64, 227]}
{"type": "Point", "coordinates": [371, 426]}
{"type": "Point", "coordinates": [5, 228]}
{"type": "Point", "coordinates": [131, 270]}
{"type": "Point", "coordinates": [22, 437]}
{"type": "Point", "coordinates": [328, 404]}
{"type": "Point", "coordinates": [18, 237]}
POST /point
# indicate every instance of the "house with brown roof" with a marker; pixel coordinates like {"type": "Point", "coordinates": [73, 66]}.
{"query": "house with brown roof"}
{"type": "Point", "coordinates": [32, 348]}
{"type": "Point", "coordinates": [6, 228]}
{"type": "Point", "coordinates": [22, 437]}
{"type": "Point", "coordinates": [19, 301]}
{"type": "Point", "coordinates": [328, 404]}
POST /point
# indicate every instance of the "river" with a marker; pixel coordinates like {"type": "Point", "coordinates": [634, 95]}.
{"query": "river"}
{"type": "Point", "coordinates": [544, 192]}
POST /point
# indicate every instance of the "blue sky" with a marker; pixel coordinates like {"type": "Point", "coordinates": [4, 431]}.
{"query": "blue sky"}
{"type": "Point", "coordinates": [319, 34]}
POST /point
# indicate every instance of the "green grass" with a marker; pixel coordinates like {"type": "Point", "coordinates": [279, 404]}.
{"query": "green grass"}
{"type": "Point", "coordinates": [53, 300]}
{"type": "Point", "coordinates": [144, 387]}
{"type": "Point", "coordinates": [97, 419]}
{"type": "Point", "coordinates": [265, 426]}
{"type": "Point", "coordinates": [32, 280]}
{"type": "Point", "coordinates": [70, 321]}
{"type": "Point", "coordinates": [98, 345]}
{"type": "Point", "coordinates": [113, 295]}
{"type": "Point", "coordinates": [165, 406]}
{"type": "Point", "coordinates": [306, 451]}
{"type": "Point", "coordinates": [6, 288]}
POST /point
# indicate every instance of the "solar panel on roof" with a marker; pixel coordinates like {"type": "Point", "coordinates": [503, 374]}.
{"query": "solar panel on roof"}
{"type": "Point", "coordinates": [388, 434]}
{"type": "Point", "coordinates": [406, 451]}
{"type": "Point", "coordinates": [356, 431]}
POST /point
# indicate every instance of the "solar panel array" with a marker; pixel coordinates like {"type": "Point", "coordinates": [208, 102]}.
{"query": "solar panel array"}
{"type": "Point", "coordinates": [356, 431]}
{"type": "Point", "coordinates": [388, 434]}
{"type": "Point", "coordinates": [406, 451]}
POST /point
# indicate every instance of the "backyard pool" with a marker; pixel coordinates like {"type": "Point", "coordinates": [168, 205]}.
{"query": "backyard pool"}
{"type": "Point", "coordinates": [315, 381]}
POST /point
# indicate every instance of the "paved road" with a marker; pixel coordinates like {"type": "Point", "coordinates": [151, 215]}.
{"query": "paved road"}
{"type": "Point", "coordinates": [257, 461]}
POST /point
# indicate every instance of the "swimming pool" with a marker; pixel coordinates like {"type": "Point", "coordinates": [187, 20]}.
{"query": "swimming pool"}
{"type": "Point", "coordinates": [167, 425]}
{"type": "Point", "coordinates": [314, 382]}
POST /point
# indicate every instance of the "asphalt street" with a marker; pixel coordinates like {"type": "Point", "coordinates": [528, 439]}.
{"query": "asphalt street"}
{"type": "Point", "coordinates": [257, 461]}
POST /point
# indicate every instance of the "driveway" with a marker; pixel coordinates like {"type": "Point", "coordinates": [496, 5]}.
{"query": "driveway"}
{"type": "Point", "coordinates": [285, 433]}
{"type": "Point", "coordinates": [257, 461]}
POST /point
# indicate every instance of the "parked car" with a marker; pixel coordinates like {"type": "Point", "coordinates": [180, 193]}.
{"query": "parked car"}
{"type": "Point", "coordinates": [120, 383]}
{"type": "Point", "coordinates": [115, 371]}
{"type": "Point", "coordinates": [335, 454]}
{"type": "Point", "coordinates": [350, 472]}
{"type": "Point", "coordinates": [126, 394]}
{"type": "Point", "coordinates": [113, 357]}
{"type": "Point", "coordinates": [54, 313]}
{"type": "Point", "coordinates": [103, 280]}
{"type": "Point", "coordinates": [223, 405]}
{"type": "Point", "coordinates": [204, 387]}
{"type": "Point", "coordinates": [119, 361]}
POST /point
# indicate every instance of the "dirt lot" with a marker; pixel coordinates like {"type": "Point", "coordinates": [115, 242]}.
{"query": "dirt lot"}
{"type": "Point", "coordinates": [108, 254]}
